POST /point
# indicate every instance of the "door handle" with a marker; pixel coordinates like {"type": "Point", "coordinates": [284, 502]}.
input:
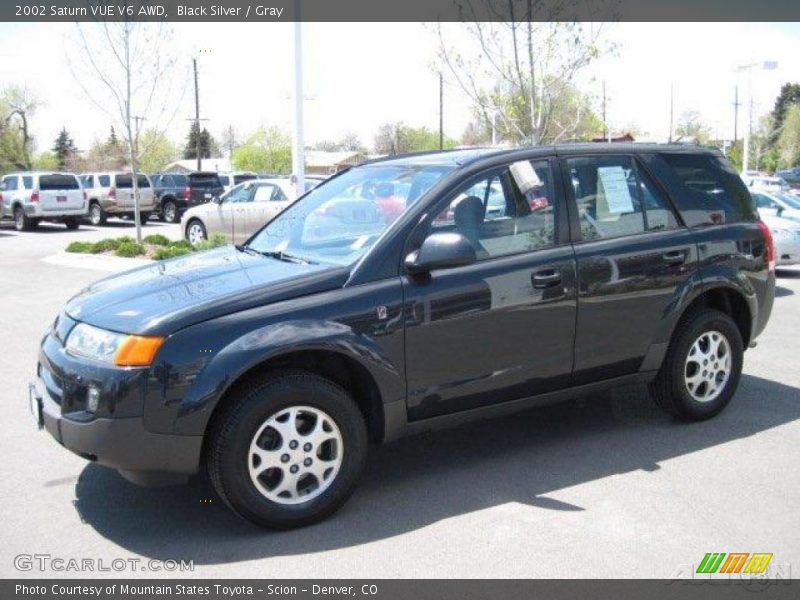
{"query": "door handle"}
{"type": "Point", "coordinates": [546, 278]}
{"type": "Point", "coordinates": [674, 258]}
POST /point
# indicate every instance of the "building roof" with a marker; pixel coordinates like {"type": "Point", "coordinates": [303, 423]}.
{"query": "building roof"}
{"type": "Point", "coordinates": [219, 165]}
{"type": "Point", "coordinates": [322, 158]}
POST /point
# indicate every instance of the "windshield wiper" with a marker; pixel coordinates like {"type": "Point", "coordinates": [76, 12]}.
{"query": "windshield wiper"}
{"type": "Point", "coordinates": [248, 249]}
{"type": "Point", "coordinates": [280, 255]}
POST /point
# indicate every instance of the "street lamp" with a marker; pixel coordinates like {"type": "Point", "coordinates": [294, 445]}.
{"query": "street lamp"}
{"type": "Point", "coordinates": [767, 65]}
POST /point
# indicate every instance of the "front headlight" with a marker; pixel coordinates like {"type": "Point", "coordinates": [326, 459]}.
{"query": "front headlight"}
{"type": "Point", "coordinates": [112, 348]}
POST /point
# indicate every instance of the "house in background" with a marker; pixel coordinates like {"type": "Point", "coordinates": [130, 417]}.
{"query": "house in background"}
{"type": "Point", "coordinates": [320, 162]}
{"type": "Point", "coordinates": [614, 137]}
{"type": "Point", "coordinates": [220, 165]}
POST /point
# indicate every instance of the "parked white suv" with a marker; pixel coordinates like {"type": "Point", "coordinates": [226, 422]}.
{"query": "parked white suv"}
{"type": "Point", "coordinates": [33, 196]}
{"type": "Point", "coordinates": [111, 195]}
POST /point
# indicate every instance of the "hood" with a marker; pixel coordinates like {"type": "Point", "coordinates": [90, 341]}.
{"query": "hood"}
{"type": "Point", "coordinates": [170, 295]}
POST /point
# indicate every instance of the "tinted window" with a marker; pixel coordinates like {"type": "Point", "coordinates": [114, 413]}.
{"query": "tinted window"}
{"type": "Point", "coordinates": [711, 194]}
{"type": "Point", "coordinates": [506, 212]}
{"type": "Point", "coordinates": [105, 180]}
{"type": "Point", "coordinates": [58, 181]}
{"type": "Point", "coordinates": [179, 180]}
{"type": "Point", "coordinates": [607, 194]}
{"type": "Point", "coordinates": [86, 180]}
{"type": "Point", "coordinates": [27, 182]}
{"type": "Point", "coordinates": [10, 183]}
{"type": "Point", "coordinates": [126, 181]}
{"type": "Point", "coordinates": [205, 180]}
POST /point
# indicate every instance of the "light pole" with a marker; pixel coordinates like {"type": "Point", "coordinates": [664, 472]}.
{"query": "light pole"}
{"type": "Point", "coordinates": [298, 150]}
{"type": "Point", "coordinates": [767, 65]}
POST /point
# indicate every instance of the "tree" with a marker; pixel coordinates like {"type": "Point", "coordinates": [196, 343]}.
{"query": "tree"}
{"type": "Point", "coordinates": [64, 148]}
{"type": "Point", "coordinates": [690, 125]}
{"type": "Point", "coordinates": [789, 95]}
{"type": "Point", "coordinates": [208, 145]}
{"type": "Point", "coordinates": [788, 145]}
{"type": "Point", "coordinates": [266, 150]}
{"type": "Point", "coordinates": [349, 142]}
{"type": "Point", "coordinates": [46, 161]}
{"type": "Point", "coordinates": [476, 133]}
{"type": "Point", "coordinates": [126, 69]}
{"type": "Point", "coordinates": [398, 138]}
{"type": "Point", "coordinates": [160, 151]}
{"type": "Point", "coordinates": [532, 60]}
{"type": "Point", "coordinates": [17, 106]}
{"type": "Point", "coordinates": [230, 140]}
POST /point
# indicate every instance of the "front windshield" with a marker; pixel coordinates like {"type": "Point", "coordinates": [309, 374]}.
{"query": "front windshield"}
{"type": "Point", "coordinates": [338, 221]}
{"type": "Point", "coordinates": [790, 200]}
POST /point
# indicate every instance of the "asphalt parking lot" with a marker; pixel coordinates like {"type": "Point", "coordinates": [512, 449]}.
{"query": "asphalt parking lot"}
{"type": "Point", "coordinates": [603, 487]}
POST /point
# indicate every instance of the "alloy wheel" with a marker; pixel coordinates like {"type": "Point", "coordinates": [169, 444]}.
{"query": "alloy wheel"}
{"type": "Point", "coordinates": [708, 366]}
{"type": "Point", "coordinates": [295, 455]}
{"type": "Point", "coordinates": [196, 233]}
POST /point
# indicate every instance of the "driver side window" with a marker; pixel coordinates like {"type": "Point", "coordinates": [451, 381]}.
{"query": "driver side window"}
{"type": "Point", "coordinates": [242, 194]}
{"type": "Point", "coordinates": [508, 211]}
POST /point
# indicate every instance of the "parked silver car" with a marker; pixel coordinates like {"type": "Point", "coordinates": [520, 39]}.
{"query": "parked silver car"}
{"type": "Point", "coordinates": [786, 235]}
{"type": "Point", "coordinates": [111, 194]}
{"type": "Point", "coordinates": [33, 196]}
{"type": "Point", "coordinates": [238, 213]}
{"type": "Point", "coordinates": [779, 204]}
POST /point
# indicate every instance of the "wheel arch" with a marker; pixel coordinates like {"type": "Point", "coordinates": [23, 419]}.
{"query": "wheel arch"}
{"type": "Point", "coordinates": [333, 365]}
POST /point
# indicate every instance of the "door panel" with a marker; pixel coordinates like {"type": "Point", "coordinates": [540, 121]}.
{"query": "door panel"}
{"type": "Point", "coordinates": [625, 286]}
{"type": "Point", "coordinates": [484, 334]}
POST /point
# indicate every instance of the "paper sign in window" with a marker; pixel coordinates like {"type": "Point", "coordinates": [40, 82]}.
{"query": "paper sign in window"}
{"type": "Point", "coordinates": [613, 193]}
{"type": "Point", "coordinates": [525, 176]}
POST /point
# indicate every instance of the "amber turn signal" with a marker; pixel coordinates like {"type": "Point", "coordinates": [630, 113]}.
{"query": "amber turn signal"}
{"type": "Point", "coordinates": [137, 351]}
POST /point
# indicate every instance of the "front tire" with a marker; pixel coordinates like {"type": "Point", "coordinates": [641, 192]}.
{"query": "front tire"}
{"type": "Point", "coordinates": [195, 232]}
{"type": "Point", "coordinates": [702, 368]}
{"type": "Point", "coordinates": [287, 450]}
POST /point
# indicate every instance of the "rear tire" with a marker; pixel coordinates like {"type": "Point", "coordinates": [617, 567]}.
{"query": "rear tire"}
{"type": "Point", "coordinates": [702, 368]}
{"type": "Point", "coordinates": [169, 212]}
{"type": "Point", "coordinates": [311, 434]}
{"type": "Point", "coordinates": [72, 223]}
{"type": "Point", "coordinates": [21, 221]}
{"type": "Point", "coordinates": [144, 217]}
{"type": "Point", "coordinates": [97, 216]}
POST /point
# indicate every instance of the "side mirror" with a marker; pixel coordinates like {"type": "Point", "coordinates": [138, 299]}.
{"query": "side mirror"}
{"type": "Point", "coordinates": [441, 251]}
{"type": "Point", "coordinates": [779, 211]}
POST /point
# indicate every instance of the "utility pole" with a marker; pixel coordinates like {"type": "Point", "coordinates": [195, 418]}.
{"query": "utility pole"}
{"type": "Point", "coordinates": [198, 147]}
{"type": "Point", "coordinates": [441, 112]}
{"type": "Point", "coordinates": [736, 105]}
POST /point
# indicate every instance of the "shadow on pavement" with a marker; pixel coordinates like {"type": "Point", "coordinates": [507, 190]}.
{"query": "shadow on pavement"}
{"type": "Point", "coordinates": [781, 291]}
{"type": "Point", "coordinates": [421, 480]}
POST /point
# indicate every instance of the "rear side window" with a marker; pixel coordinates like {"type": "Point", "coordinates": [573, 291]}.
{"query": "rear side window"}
{"type": "Point", "coordinates": [205, 181]}
{"type": "Point", "coordinates": [86, 180]}
{"type": "Point", "coordinates": [27, 182]}
{"type": "Point", "coordinates": [180, 180]}
{"type": "Point", "coordinates": [105, 180]}
{"type": "Point", "coordinates": [126, 181]}
{"type": "Point", "coordinates": [58, 181]}
{"type": "Point", "coordinates": [710, 194]}
{"type": "Point", "coordinates": [10, 184]}
{"type": "Point", "coordinates": [615, 198]}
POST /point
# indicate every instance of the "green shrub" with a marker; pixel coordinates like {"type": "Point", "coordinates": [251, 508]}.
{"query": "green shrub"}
{"type": "Point", "coordinates": [216, 241]}
{"type": "Point", "coordinates": [106, 245]}
{"type": "Point", "coordinates": [81, 247]}
{"type": "Point", "coordinates": [181, 244]}
{"type": "Point", "coordinates": [129, 249]}
{"type": "Point", "coordinates": [156, 239]}
{"type": "Point", "coordinates": [170, 252]}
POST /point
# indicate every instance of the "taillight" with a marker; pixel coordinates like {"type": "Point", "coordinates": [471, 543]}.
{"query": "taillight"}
{"type": "Point", "coordinates": [85, 197]}
{"type": "Point", "coordinates": [35, 196]}
{"type": "Point", "coordinates": [187, 193]}
{"type": "Point", "coordinates": [112, 193]}
{"type": "Point", "coordinates": [769, 242]}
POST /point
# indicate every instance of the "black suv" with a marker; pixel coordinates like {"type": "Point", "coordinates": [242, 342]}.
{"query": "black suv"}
{"type": "Point", "coordinates": [405, 294]}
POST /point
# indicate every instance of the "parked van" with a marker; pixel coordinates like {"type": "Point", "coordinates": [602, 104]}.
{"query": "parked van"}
{"type": "Point", "coordinates": [110, 194]}
{"type": "Point", "coordinates": [34, 196]}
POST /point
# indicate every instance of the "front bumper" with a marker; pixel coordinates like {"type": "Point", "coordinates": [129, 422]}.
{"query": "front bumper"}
{"type": "Point", "coordinates": [117, 439]}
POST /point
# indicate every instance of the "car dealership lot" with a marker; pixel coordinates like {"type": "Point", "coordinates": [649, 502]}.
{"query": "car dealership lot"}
{"type": "Point", "coordinates": [604, 487]}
